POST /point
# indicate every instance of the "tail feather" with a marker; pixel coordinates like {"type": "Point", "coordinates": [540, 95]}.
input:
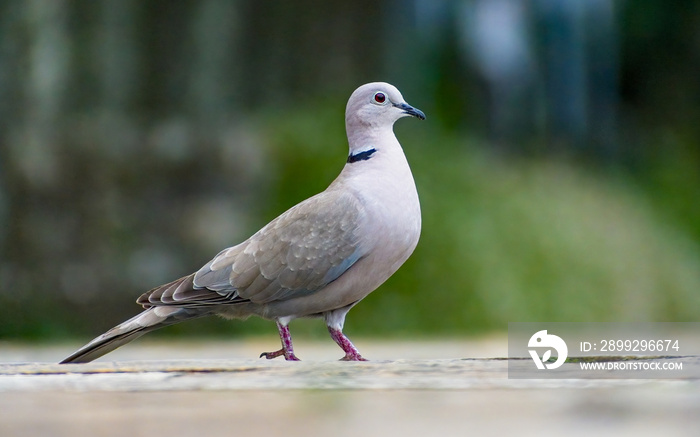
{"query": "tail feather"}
{"type": "Point", "coordinates": [147, 321]}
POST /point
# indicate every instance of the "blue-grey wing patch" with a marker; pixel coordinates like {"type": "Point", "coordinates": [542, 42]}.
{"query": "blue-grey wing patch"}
{"type": "Point", "coordinates": [298, 253]}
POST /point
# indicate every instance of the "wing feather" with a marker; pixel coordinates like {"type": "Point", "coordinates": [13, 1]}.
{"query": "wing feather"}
{"type": "Point", "coordinates": [298, 253]}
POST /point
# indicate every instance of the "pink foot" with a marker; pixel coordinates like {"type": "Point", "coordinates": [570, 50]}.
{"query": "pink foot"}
{"type": "Point", "coordinates": [279, 353]}
{"type": "Point", "coordinates": [287, 348]}
{"type": "Point", "coordinates": [351, 353]}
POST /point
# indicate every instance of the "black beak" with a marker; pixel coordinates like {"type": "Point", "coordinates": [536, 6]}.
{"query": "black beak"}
{"type": "Point", "coordinates": [410, 110]}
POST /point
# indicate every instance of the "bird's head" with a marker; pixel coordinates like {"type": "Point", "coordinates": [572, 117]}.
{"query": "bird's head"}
{"type": "Point", "coordinates": [378, 104]}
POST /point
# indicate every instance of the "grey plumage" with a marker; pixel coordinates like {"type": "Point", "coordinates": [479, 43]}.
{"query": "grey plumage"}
{"type": "Point", "coordinates": [319, 258]}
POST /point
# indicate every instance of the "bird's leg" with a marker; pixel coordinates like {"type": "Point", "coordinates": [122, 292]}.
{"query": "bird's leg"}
{"type": "Point", "coordinates": [335, 320]}
{"type": "Point", "coordinates": [287, 347]}
{"type": "Point", "coordinates": [351, 353]}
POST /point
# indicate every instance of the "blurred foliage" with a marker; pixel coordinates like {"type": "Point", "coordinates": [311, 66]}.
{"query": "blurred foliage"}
{"type": "Point", "coordinates": [505, 238]}
{"type": "Point", "coordinates": [558, 169]}
{"type": "Point", "coordinates": [510, 238]}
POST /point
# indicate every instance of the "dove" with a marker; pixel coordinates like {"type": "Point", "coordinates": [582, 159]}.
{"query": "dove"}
{"type": "Point", "coordinates": [317, 259]}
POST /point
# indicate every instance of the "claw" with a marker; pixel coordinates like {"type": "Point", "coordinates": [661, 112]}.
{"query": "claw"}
{"type": "Point", "coordinates": [279, 353]}
{"type": "Point", "coordinates": [272, 355]}
{"type": "Point", "coordinates": [353, 357]}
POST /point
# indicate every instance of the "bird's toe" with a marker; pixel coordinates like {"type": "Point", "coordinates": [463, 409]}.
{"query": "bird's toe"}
{"type": "Point", "coordinates": [353, 357]}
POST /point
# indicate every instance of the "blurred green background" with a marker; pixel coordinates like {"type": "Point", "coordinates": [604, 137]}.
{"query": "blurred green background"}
{"type": "Point", "coordinates": [558, 169]}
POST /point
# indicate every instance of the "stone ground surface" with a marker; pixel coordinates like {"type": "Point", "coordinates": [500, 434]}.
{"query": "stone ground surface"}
{"type": "Point", "coordinates": [426, 388]}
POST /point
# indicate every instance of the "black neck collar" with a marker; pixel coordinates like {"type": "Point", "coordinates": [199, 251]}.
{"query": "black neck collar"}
{"type": "Point", "coordinates": [361, 156]}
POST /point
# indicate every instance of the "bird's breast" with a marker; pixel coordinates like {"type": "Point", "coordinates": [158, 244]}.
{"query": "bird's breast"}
{"type": "Point", "coordinates": [392, 209]}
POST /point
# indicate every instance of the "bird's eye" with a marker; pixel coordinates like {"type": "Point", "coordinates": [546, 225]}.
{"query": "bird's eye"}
{"type": "Point", "coordinates": [380, 98]}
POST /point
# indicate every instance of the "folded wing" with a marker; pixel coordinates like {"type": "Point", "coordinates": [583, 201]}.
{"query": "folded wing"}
{"type": "Point", "coordinates": [298, 253]}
